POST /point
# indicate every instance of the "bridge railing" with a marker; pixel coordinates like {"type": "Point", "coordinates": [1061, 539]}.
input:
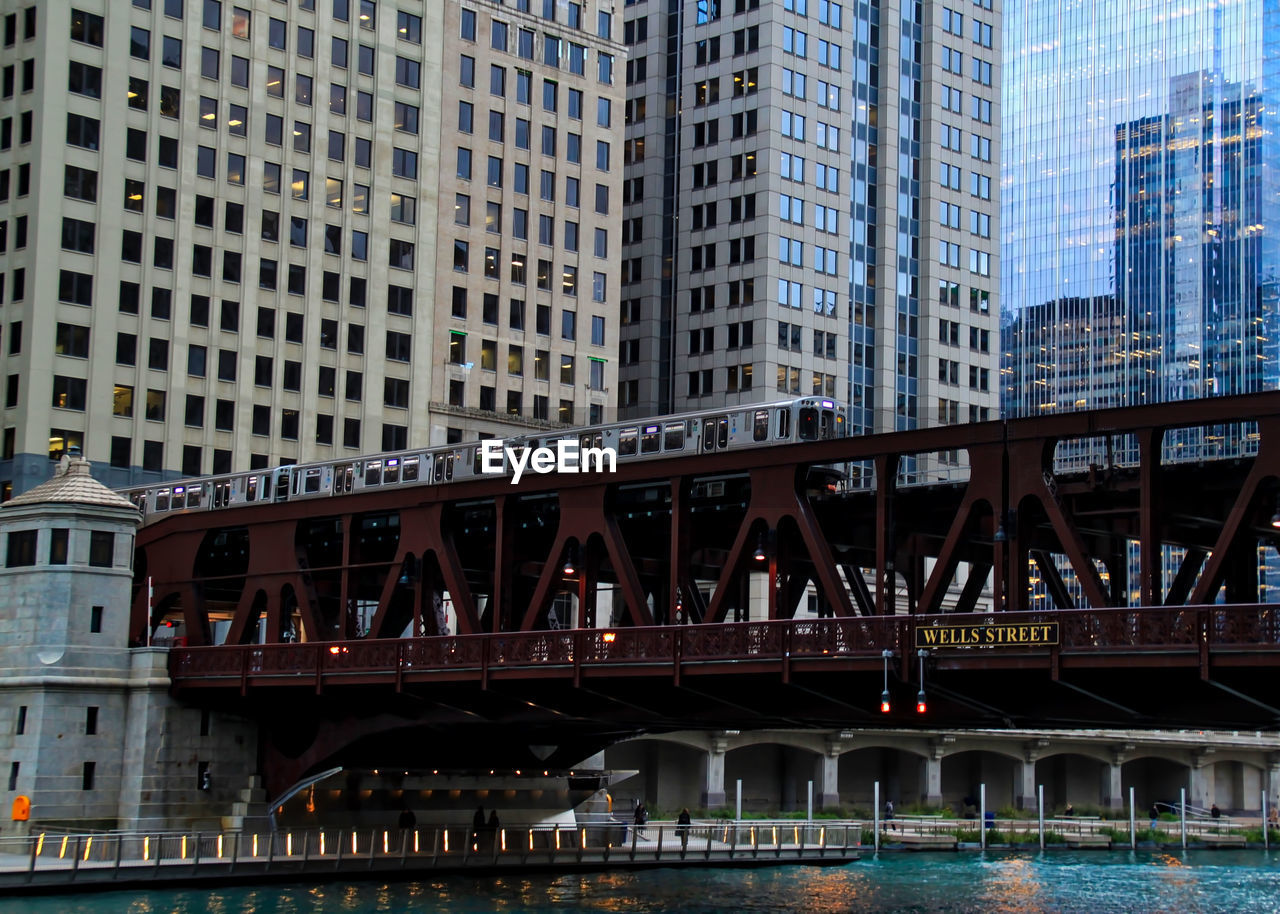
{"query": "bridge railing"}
{"type": "Point", "coordinates": [43, 859]}
{"type": "Point", "coordinates": [1123, 630]}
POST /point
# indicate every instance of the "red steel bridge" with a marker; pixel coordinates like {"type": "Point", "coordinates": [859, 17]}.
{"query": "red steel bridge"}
{"type": "Point", "coordinates": [1149, 567]}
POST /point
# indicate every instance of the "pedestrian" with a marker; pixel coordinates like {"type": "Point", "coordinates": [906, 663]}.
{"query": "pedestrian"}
{"type": "Point", "coordinates": [407, 819]}
{"type": "Point", "coordinates": [888, 814]}
{"type": "Point", "coordinates": [640, 818]}
{"type": "Point", "coordinates": [1069, 811]}
{"type": "Point", "coordinates": [492, 827]}
{"type": "Point", "coordinates": [683, 822]}
{"type": "Point", "coordinates": [1215, 811]}
{"type": "Point", "coordinates": [1155, 815]}
{"type": "Point", "coordinates": [477, 826]}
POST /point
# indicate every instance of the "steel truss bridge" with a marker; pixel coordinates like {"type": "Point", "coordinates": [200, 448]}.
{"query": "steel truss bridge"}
{"type": "Point", "coordinates": [1153, 565]}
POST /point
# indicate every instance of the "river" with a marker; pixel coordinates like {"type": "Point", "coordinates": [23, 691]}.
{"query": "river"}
{"type": "Point", "coordinates": [1241, 882]}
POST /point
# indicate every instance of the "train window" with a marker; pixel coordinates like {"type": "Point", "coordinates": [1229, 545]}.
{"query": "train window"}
{"type": "Point", "coordinates": [440, 462]}
{"type": "Point", "coordinates": [627, 439]}
{"type": "Point", "coordinates": [709, 435]}
{"type": "Point", "coordinates": [179, 498]}
{"type": "Point", "coordinates": [673, 436]}
{"type": "Point", "coordinates": [162, 499]}
{"type": "Point", "coordinates": [392, 472]}
{"type": "Point", "coordinates": [251, 489]}
{"type": "Point", "coordinates": [311, 481]}
{"type": "Point", "coordinates": [220, 493]}
{"type": "Point", "coordinates": [760, 425]}
{"type": "Point", "coordinates": [373, 473]}
{"type": "Point", "coordinates": [784, 422]}
{"type": "Point", "coordinates": [410, 469]}
{"type": "Point", "coordinates": [649, 440]}
{"type": "Point", "coordinates": [475, 461]}
{"type": "Point", "coordinates": [722, 432]}
{"type": "Point", "coordinates": [193, 496]}
{"type": "Point", "coordinates": [448, 465]}
{"type": "Point", "coordinates": [808, 429]}
{"type": "Point", "coordinates": [828, 423]}
{"type": "Point", "coordinates": [282, 484]}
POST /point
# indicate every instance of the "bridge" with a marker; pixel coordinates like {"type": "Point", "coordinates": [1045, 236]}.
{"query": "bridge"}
{"type": "Point", "coordinates": [1070, 570]}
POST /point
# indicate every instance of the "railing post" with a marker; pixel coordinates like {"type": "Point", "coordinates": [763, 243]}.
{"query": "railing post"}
{"type": "Point", "coordinates": [244, 670]}
{"type": "Point", "coordinates": [399, 665]}
{"type": "Point", "coordinates": [195, 858]}
{"type": "Point", "coordinates": [484, 663]}
{"type": "Point", "coordinates": [31, 864]}
{"type": "Point", "coordinates": [318, 650]}
{"type": "Point", "coordinates": [338, 856]}
{"type": "Point", "coordinates": [657, 855]}
{"type": "Point", "coordinates": [115, 872]}
{"type": "Point", "coordinates": [1203, 623]}
{"type": "Point", "coordinates": [75, 860]}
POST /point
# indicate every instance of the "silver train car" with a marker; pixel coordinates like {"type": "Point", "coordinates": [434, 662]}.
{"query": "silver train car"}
{"type": "Point", "coordinates": [703, 432]}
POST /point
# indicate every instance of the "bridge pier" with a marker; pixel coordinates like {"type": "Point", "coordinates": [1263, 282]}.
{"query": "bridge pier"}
{"type": "Point", "coordinates": [1026, 798]}
{"type": "Point", "coordinates": [1112, 792]}
{"type": "Point", "coordinates": [713, 790]}
{"type": "Point", "coordinates": [831, 775]}
{"type": "Point", "coordinates": [1200, 780]}
{"type": "Point", "coordinates": [933, 778]}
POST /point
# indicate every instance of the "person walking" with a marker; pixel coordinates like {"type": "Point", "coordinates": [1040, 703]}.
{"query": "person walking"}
{"type": "Point", "coordinates": [492, 827]}
{"type": "Point", "coordinates": [1155, 815]}
{"type": "Point", "coordinates": [477, 826]}
{"type": "Point", "coordinates": [640, 818]}
{"type": "Point", "coordinates": [683, 822]}
{"type": "Point", "coordinates": [888, 814]}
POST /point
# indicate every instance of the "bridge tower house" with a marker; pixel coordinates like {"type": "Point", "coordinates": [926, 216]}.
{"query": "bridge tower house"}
{"type": "Point", "coordinates": [88, 731]}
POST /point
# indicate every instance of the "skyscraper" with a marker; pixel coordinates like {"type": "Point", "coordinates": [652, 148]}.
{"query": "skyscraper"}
{"type": "Point", "coordinates": [811, 205]}
{"type": "Point", "coordinates": [237, 233]}
{"type": "Point", "coordinates": [1137, 173]}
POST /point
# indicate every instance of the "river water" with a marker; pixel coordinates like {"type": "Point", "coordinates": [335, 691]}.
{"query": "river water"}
{"type": "Point", "coordinates": [1241, 882]}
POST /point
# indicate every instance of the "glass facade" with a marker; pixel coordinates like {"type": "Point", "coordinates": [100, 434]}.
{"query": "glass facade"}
{"type": "Point", "coordinates": [1139, 259]}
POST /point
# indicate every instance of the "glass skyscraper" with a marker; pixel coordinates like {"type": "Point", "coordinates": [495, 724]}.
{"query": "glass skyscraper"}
{"type": "Point", "coordinates": [1138, 256]}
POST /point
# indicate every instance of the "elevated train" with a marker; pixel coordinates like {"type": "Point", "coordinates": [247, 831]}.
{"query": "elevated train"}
{"type": "Point", "coordinates": [707, 431]}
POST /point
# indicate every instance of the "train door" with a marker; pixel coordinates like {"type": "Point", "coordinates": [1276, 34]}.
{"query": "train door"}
{"type": "Point", "coordinates": [280, 483]}
{"type": "Point", "coordinates": [715, 433]}
{"type": "Point", "coordinates": [343, 478]}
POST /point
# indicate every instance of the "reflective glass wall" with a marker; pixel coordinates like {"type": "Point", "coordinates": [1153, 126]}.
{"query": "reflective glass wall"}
{"type": "Point", "coordinates": [1139, 260]}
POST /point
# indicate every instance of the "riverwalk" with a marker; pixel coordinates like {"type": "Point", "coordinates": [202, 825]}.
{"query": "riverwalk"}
{"type": "Point", "coordinates": [70, 862]}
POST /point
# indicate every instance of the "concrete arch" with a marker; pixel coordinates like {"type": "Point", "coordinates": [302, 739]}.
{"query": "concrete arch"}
{"type": "Point", "coordinates": [900, 771]}
{"type": "Point", "coordinates": [774, 775]}
{"type": "Point", "coordinates": [1155, 779]}
{"type": "Point", "coordinates": [1094, 753]}
{"type": "Point", "coordinates": [1012, 752]}
{"type": "Point", "coordinates": [1235, 785]}
{"type": "Point", "coordinates": [671, 774]}
{"type": "Point", "coordinates": [808, 741]}
{"type": "Point", "coordinates": [1075, 778]}
{"type": "Point", "coordinates": [964, 771]}
{"type": "Point", "coordinates": [921, 751]}
{"type": "Point", "coordinates": [689, 739]}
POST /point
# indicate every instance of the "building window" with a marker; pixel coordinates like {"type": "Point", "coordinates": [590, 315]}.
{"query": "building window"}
{"type": "Point", "coordinates": [21, 549]}
{"type": "Point", "coordinates": [102, 546]}
{"type": "Point", "coordinates": [58, 539]}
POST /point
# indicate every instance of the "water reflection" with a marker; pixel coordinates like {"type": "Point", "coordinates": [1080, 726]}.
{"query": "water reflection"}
{"type": "Point", "coordinates": [1096, 882]}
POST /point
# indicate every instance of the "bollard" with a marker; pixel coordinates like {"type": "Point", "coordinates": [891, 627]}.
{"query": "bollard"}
{"type": "Point", "coordinates": [875, 817]}
{"type": "Point", "coordinates": [1040, 809]}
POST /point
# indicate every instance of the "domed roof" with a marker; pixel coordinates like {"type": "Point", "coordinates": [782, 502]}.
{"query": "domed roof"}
{"type": "Point", "coordinates": [71, 484]}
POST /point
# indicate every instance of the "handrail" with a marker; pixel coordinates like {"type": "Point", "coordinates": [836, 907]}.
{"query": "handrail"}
{"type": "Point", "coordinates": [44, 858]}
{"type": "Point", "coordinates": [1192, 630]}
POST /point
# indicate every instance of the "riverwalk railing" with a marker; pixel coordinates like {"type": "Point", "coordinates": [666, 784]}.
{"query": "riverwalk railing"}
{"type": "Point", "coordinates": [43, 860]}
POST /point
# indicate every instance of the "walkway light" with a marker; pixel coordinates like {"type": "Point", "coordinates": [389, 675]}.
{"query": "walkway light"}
{"type": "Point", "coordinates": [884, 696]}
{"type": "Point", "coordinates": [759, 553]}
{"type": "Point", "coordinates": [921, 704]}
{"type": "Point", "coordinates": [568, 563]}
